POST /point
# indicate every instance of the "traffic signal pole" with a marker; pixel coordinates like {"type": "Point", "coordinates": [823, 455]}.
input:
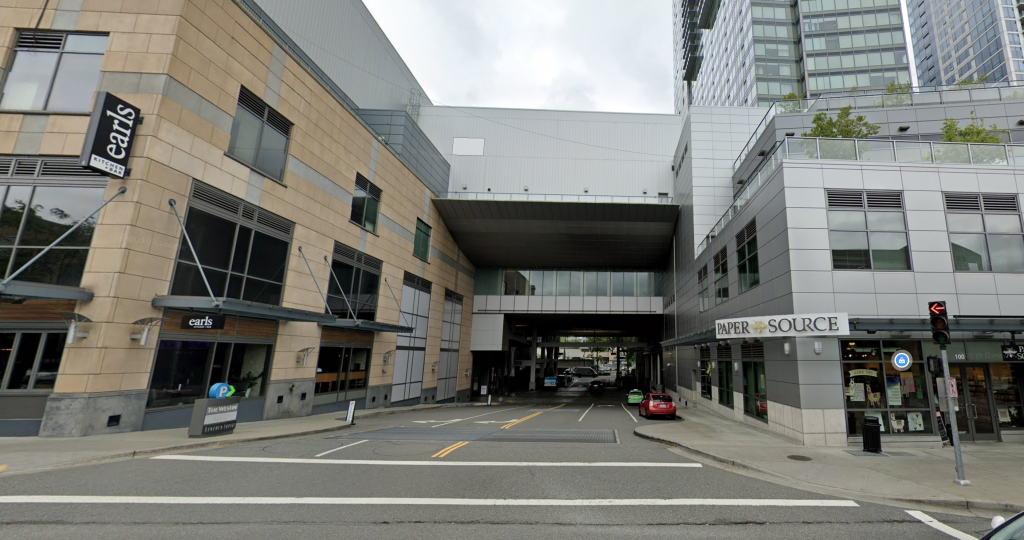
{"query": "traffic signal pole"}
{"type": "Point", "coordinates": [961, 477]}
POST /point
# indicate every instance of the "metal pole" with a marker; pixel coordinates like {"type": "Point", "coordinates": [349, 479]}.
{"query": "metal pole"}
{"type": "Point", "coordinates": [395, 299]}
{"type": "Point", "coordinates": [340, 288]}
{"type": "Point", "coordinates": [3, 284]}
{"type": "Point", "coordinates": [310, 268]}
{"type": "Point", "coordinates": [174, 206]}
{"type": "Point", "coordinates": [961, 478]}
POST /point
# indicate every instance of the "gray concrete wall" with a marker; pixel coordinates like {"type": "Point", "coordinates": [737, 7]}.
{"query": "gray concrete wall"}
{"type": "Point", "coordinates": [289, 399]}
{"type": "Point", "coordinates": [79, 415]}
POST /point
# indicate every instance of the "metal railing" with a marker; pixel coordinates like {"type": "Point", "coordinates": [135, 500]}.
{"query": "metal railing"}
{"type": "Point", "coordinates": [547, 197]}
{"type": "Point", "coordinates": [923, 95]}
{"type": "Point", "coordinates": [873, 150]}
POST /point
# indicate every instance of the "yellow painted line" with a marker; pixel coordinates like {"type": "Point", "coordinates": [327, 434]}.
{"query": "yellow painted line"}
{"type": "Point", "coordinates": [3, 468]}
{"type": "Point", "coordinates": [521, 420]}
{"type": "Point", "coordinates": [558, 407]}
{"type": "Point", "coordinates": [444, 452]}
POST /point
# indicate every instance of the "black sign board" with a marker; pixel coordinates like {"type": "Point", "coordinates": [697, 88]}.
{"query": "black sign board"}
{"type": "Point", "coordinates": [1013, 352]}
{"type": "Point", "coordinates": [202, 322]}
{"type": "Point", "coordinates": [214, 417]}
{"type": "Point", "coordinates": [112, 130]}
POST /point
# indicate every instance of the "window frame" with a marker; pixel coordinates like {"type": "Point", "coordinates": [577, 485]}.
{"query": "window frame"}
{"type": "Point", "coordinates": [982, 211]}
{"type": "Point", "coordinates": [743, 257]}
{"type": "Point", "coordinates": [369, 190]}
{"type": "Point", "coordinates": [865, 209]}
{"type": "Point", "coordinates": [8, 68]}
{"type": "Point", "coordinates": [703, 290]}
{"type": "Point", "coordinates": [248, 100]}
{"type": "Point", "coordinates": [33, 372]}
{"type": "Point", "coordinates": [721, 276]}
{"type": "Point", "coordinates": [422, 233]}
{"type": "Point", "coordinates": [362, 264]}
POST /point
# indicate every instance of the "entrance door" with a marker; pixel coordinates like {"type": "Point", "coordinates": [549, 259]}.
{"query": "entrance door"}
{"type": "Point", "coordinates": [974, 419]}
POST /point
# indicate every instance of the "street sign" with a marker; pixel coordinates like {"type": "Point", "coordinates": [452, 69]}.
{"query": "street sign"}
{"type": "Point", "coordinates": [221, 391]}
{"type": "Point", "coordinates": [951, 387]}
{"type": "Point", "coordinates": [902, 360]}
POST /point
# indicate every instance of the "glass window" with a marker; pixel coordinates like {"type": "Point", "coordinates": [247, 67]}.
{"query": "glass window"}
{"type": "Point", "coordinates": [643, 285]}
{"type": "Point", "coordinates": [889, 251]}
{"type": "Point", "coordinates": [854, 248]}
{"type": "Point", "coordinates": [849, 250]}
{"type": "Point", "coordinates": [725, 396]}
{"type": "Point", "coordinates": [259, 136]}
{"type": "Point", "coordinates": [872, 388]}
{"type": "Point", "coordinates": [969, 252]}
{"type": "Point", "coordinates": [360, 287]}
{"type": "Point", "coordinates": [562, 285]}
{"type": "Point", "coordinates": [590, 284]}
{"type": "Point", "coordinates": [705, 379]}
{"type": "Point", "coordinates": [755, 390]}
{"type": "Point", "coordinates": [747, 269]}
{"type": "Point", "coordinates": [602, 284]}
{"type": "Point", "coordinates": [421, 245]}
{"type": "Point", "coordinates": [575, 283]}
{"type": "Point", "coordinates": [618, 287]}
{"type": "Point", "coordinates": [703, 293]}
{"type": "Point", "coordinates": [52, 211]}
{"type": "Point", "coordinates": [549, 283]}
{"type": "Point", "coordinates": [722, 278]}
{"type": "Point", "coordinates": [629, 284]}
{"type": "Point", "coordinates": [366, 205]}
{"type": "Point", "coordinates": [54, 72]}
{"type": "Point", "coordinates": [184, 371]}
{"type": "Point", "coordinates": [1007, 381]}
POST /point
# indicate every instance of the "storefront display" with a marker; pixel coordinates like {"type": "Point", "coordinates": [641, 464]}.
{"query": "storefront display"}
{"type": "Point", "coordinates": [874, 388]}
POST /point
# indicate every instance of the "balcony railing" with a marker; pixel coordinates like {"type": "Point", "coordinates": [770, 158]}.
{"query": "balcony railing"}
{"type": "Point", "coordinates": [546, 197]}
{"type": "Point", "coordinates": [873, 150]}
{"type": "Point", "coordinates": [924, 95]}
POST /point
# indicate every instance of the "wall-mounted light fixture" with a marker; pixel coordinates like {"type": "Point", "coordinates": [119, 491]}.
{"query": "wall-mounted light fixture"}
{"type": "Point", "coordinates": [785, 348]}
{"type": "Point", "coordinates": [762, 153]}
{"type": "Point", "coordinates": [467, 372]}
{"type": "Point", "coordinates": [147, 324]}
{"type": "Point", "coordinates": [1020, 122]}
{"type": "Point", "coordinates": [74, 321]}
{"type": "Point", "coordinates": [526, 188]}
{"type": "Point", "coordinates": [433, 367]}
{"type": "Point", "coordinates": [302, 355]}
{"type": "Point", "coordinates": [817, 347]}
{"type": "Point", "coordinates": [388, 357]}
{"type": "Point", "coordinates": [586, 189]}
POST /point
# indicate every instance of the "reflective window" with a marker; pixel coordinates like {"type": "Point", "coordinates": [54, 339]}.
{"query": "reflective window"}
{"type": "Point", "coordinates": [259, 136]}
{"type": "Point", "coordinates": [184, 371]}
{"type": "Point", "coordinates": [986, 241]}
{"type": "Point", "coordinates": [873, 388]}
{"type": "Point", "coordinates": [54, 71]}
{"type": "Point", "coordinates": [359, 289]}
{"type": "Point", "coordinates": [30, 360]}
{"type": "Point", "coordinates": [721, 276]}
{"type": "Point", "coordinates": [33, 217]}
{"type": "Point", "coordinates": [366, 205]}
{"type": "Point", "coordinates": [703, 291]}
{"type": "Point", "coordinates": [747, 268]}
{"type": "Point", "coordinates": [421, 245]}
{"type": "Point", "coordinates": [862, 240]}
{"type": "Point", "coordinates": [564, 283]}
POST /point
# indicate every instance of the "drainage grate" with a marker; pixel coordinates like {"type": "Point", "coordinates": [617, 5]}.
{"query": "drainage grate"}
{"type": "Point", "coordinates": [485, 435]}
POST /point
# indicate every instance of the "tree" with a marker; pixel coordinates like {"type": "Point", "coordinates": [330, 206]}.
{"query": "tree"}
{"type": "Point", "coordinates": [974, 132]}
{"type": "Point", "coordinates": [790, 103]}
{"type": "Point", "coordinates": [842, 126]}
{"type": "Point", "coordinates": [896, 94]}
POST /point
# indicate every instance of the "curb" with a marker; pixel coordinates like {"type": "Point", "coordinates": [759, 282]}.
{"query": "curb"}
{"type": "Point", "coordinates": [186, 447]}
{"type": "Point", "coordinates": [958, 504]}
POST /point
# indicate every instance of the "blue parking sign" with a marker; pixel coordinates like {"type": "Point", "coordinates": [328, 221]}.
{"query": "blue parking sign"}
{"type": "Point", "coordinates": [902, 360]}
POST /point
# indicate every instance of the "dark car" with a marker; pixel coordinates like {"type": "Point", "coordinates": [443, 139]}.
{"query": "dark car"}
{"type": "Point", "coordinates": [1009, 529]}
{"type": "Point", "coordinates": [584, 372]}
{"type": "Point", "coordinates": [658, 405]}
{"type": "Point", "coordinates": [595, 387]}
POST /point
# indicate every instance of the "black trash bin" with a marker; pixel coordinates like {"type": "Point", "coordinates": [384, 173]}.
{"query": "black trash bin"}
{"type": "Point", "coordinates": [872, 429]}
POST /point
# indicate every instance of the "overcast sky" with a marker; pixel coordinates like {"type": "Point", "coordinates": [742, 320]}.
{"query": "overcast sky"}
{"type": "Point", "coordinates": [593, 55]}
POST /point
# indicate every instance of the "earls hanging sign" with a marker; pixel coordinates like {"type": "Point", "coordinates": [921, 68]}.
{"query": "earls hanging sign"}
{"type": "Point", "coordinates": [816, 324]}
{"type": "Point", "coordinates": [112, 130]}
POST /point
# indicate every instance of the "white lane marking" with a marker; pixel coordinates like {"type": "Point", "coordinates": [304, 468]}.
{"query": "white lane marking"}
{"type": "Point", "coordinates": [493, 421]}
{"type": "Point", "coordinates": [435, 421]}
{"type": "Point", "coordinates": [408, 501]}
{"type": "Point", "coordinates": [306, 461]}
{"type": "Point", "coordinates": [585, 412]}
{"type": "Point", "coordinates": [629, 413]}
{"type": "Point", "coordinates": [477, 416]}
{"type": "Point", "coordinates": [939, 526]}
{"type": "Point", "coordinates": [321, 454]}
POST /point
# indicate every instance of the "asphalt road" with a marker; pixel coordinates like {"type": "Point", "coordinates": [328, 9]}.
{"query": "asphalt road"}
{"type": "Point", "coordinates": [564, 467]}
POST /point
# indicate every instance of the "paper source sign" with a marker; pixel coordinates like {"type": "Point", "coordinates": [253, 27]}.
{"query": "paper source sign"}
{"type": "Point", "coordinates": [108, 143]}
{"type": "Point", "coordinates": [816, 324]}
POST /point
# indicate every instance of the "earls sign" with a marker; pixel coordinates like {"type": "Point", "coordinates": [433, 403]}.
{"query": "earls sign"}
{"type": "Point", "coordinates": [205, 322]}
{"type": "Point", "coordinates": [817, 324]}
{"type": "Point", "coordinates": [112, 130]}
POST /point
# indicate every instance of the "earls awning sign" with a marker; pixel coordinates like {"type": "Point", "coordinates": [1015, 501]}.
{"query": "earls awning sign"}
{"type": "Point", "coordinates": [112, 130]}
{"type": "Point", "coordinates": [203, 322]}
{"type": "Point", "coordinates": [815, 324]}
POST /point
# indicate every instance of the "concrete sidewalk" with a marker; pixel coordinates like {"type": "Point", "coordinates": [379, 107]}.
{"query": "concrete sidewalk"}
{"type": "Point", "coordinates": [31, 454]}
{"type": "Point", "coordinates": [909, 476]}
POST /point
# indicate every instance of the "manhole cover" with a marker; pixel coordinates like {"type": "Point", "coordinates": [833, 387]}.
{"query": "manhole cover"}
{"type": "Point", "coordinates": [799, 458]}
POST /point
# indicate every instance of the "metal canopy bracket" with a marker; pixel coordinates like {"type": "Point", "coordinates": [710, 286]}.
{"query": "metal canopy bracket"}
{"type": "Point", "coordinates": [397, 303]}
{"type": "Point", "coordinates": [74, 320]}
{"type": "Point", "coordinates": [310, 268]}
{"type": "Point", "coordinates": [340, 288]}
{"type": "Point", "coordinates": [147, 324]}
{"type": "Point", "coordinates": [16, 273]}
{"type": "Point", "coordinates": [174, 206]}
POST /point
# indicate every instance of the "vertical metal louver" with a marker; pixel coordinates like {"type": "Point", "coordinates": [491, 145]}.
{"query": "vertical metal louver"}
{"type": "Point", "coordinates": [884, 199]}
{"type": "Point", "coordinates": [845, 199]}
{"type": "Point", "coordinates": [255, 105]}
{"type": "Point", "coordinates": [752, 350]}
{"type": "Point", "coordinates": [999, 203]}
{"type": "Point", "coordinates": [962, 201]}
{"type": "Point", "coordinates": [369, 187]}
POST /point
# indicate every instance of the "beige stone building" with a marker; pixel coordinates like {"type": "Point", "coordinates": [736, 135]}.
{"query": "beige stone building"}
{"type": "Point", "coordinates": [288, 197]}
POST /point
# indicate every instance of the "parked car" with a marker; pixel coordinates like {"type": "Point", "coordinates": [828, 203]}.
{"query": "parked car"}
{"type": "Point", "coordinates": [595, 387]}
{"type": "Point", "coordinates": [634, 397]}
{"type": "Point", "coordinates": [584, 372]}
{"type": "Point", "coordinates": [658, 405]}
{"type": "Point", "coordinates": [1006, 529]}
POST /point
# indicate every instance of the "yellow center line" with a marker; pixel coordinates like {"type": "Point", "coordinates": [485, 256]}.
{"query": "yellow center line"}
{"type": "Point", "coordinates": [558, 407]}
{"type": "Point", "coordinates": [521, 420]}
{"type": "Point", "coordinates": [445, 451]}
{"type": "Point", "coordinates": [3, 468]}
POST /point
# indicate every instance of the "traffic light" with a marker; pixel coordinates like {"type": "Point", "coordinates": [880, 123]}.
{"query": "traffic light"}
{"type": "Point", "coordinates": [939, 321]}
{"type": "Point", "coordinates": [935, 365]}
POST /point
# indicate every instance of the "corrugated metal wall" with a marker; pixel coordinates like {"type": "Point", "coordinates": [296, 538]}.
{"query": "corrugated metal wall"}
{"type": "Point", "coordinates": [345, 41]}
{"type": "Point", "coordinates": [557, 152]}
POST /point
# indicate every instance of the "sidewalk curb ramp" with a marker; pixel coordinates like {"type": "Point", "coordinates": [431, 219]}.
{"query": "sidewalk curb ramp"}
{"type": "Point", "coordinates": [953, 503]}
{"type": "Point", "coordinates": [211, 444]}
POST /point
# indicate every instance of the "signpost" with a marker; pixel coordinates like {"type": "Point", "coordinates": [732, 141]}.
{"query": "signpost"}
{"type": "Point", "coordinates": [112, 131]}
{"type": "Point", "coordinates": [214, 416]}
{"type": "Point", "coordinates": [940, 334]}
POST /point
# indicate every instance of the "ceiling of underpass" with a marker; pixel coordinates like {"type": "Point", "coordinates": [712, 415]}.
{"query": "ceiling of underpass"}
{"type": "Point", "coordinates": [579, 235]}
{"type": "Point", "coordinates": [644, 327]}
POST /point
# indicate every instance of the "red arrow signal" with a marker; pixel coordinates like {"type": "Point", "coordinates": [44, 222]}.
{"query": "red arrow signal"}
{"type": "Point", "coordinates": [937, 309]}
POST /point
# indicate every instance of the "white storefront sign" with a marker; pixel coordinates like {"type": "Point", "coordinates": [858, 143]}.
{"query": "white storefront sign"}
{"type": "Point", "coordinates": [814, 324]}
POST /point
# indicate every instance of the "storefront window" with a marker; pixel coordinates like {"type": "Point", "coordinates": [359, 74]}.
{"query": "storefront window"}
{"type": "Point", "coordinates": [340, 369]}
{"type": "Point", "coordinates": [725, 383]}
{"type": "Point", "coordinates": [30, 360]}
{"type": "Point", "coordinates": [755, 390]}
{"type": "Point", "coordinates": [185, 370]}
{"type": "Point", "coordinates": [1007, 380]}
{"type": "Point", "coordinates": [872, 387]}
{"type": "Point", "coordinates": [705, 379]}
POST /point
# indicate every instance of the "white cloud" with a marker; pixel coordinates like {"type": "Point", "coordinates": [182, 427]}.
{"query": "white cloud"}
{"type": "Point", "coordinates": [602, 55]}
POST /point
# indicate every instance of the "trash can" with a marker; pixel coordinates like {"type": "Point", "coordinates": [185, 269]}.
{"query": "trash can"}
{"type": "Point", "coordinates": [872, 429]}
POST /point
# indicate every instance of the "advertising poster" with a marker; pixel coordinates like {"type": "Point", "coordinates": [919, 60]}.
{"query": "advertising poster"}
{"type": "Point", "coordinates": [915, 421]}
{"type": "Point", "coordinates": [895, 395]}
{"type": "Point", "coordinates": [857, 392]}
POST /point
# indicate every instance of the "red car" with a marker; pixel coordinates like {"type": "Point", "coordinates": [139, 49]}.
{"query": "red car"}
{"type": "Point", "coordinates": [658, 404]}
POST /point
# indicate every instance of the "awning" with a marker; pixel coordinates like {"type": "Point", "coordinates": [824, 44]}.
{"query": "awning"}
{"type": "Point", "coordinates": [242, 308]}
{"type": "Point", "coordinates": [26, 289]}
{"type": "Point", "coordinates": [369, 326]}
{"type": "Point", "coordinates": [956, 324]}
{"type": "Point", "coordinates": [697, 338]}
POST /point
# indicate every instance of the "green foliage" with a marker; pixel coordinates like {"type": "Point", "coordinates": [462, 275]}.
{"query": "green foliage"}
{"type": "Point", "coordinates": [896, 88]}
{"type": "Point", "coordinates": [896, 94]}
{"type": "Point", "coordinates": [843, 126]}
{"type": "Point", "coordinates": [790, 103]}
{"type": "Point", "coordinates": [972, 82]}
{"type": "Point", "coordinates": [974, 132]}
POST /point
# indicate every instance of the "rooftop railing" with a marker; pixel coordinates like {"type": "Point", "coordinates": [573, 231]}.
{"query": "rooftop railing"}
{"type": "Point", "coordinates": [873, 150]}
{"type": "Point", "coordinates": [924, 95]}
{"type": "Point", "coordinates": [545, 197]}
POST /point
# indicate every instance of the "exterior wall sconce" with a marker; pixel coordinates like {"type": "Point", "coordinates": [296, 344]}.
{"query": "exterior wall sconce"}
{"type": "Point", "coordinates": [903, 128]}
{"type": "Point", "coordinates": [466, 373]}
{"type": "Point", "coordinates": [74, 320]}
{"type": "Point", "coordinates": [303, 354]}
{"type": "Point", "coordinates": [147, 324]}
{"type": "Point", "coordinates": [785, 348]}
{"type": "Point", "coordinates": [1020, 122]}
{"type": "Point", "coordinates": [526, 188]}
{"type": "Point", "coordinates": [388, 357]}
{"type": "Point", "coordinates": [433, 367]}
{"type": "Point", "coordinates": [817, 347]}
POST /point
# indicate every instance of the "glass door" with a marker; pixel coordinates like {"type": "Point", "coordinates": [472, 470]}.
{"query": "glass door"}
{"type": "Point", "coordinates": [974, 419]}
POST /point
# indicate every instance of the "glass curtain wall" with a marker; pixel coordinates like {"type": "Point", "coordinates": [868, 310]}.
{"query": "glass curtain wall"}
{"type": "Point", "coordinates": [494, 281]}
